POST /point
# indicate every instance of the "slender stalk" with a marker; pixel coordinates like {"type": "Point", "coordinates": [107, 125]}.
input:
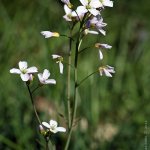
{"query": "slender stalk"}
{"type": "Point", "coordinates": [85, 49]}
{"type": "Point", "coordinates": [47, 148]}
{"type": "Point", "coordinates": [34, 108]}
{"type": "Point", "coordinates": [69, 37]}
{"type": "Point", "coordinates": [86, 78]}
{"type": "Point", "coordinates": [78, 43]}
{"type": "Point", "coordinates": [36, 114]}
{"type": "Point", "coordinates": [69, 79]}
{"type": "Point", "coordinates": [66, 63]}
{"type": "Point", "coordinates": [40, 85]}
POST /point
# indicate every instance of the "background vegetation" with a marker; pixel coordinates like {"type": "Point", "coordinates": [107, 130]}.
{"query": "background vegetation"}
{"type": "Point", "coordinates": [112, 112]}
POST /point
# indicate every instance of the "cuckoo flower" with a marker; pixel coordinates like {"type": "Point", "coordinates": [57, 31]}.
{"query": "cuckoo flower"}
{"type": "Point", "coordinates": [48, 34]}
{"type": "Point", "coordinates": [24, 71]}
{"type": "Point", "coordinates": [102, 46]}
{"type": "Point", "coordinates": [59, 61]}
{"type": "Point", "coordinates": [52, 126]}
{"type": "Point", "coordinates": [90, 6]}
{"type": "Point", "coordinates": [98, 23]}
{"type": "Point", "coordinates": [107, 70]}
{"type": "Point", "coordinates": [43, 78]}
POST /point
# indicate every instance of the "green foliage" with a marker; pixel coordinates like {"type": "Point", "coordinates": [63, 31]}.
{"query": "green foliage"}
{"type": "Point", "coordinates": [112, 112]}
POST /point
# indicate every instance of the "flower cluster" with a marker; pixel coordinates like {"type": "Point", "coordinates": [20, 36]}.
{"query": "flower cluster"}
{"type": "Point", "coordinates": [90, 13]}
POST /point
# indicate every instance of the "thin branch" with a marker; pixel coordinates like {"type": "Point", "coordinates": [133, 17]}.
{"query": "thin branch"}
{"type": "Point", "coordinates": [84, 79]}
{"type": "Point", "coordinates": [40, 85]}
{"type": "Point", "coordinates": [84, 49]}
{"type": "Point", "coordinates": [67, 36]}
{"type": "Point", "coordinates": [31, 98]}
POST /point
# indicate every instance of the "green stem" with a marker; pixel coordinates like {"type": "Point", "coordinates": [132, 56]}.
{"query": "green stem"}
{"type": "Point", "coordinates": [68, 80]}
{"type": "Point", "coordinates": [31, 98]}
{"type": "Point", "coordinates": [78, 44]}
{"type": "Point", "coordinates": [86, 78]}
{"type": "Point", "coordinates": [68, 64]}
{"type": "Point", "coordinates": [47, 148]}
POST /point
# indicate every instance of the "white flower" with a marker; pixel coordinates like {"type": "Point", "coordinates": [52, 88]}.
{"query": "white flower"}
{"type": "Point", "coordinates": [102, 46]}
{"type": "Point", "coordinates": [90, 6]}
{"type": "Point", "coordinates": [72, 15]}
{"type": "Point", "coordinates": [44, 78]}
{"type": "Point", "coordinates": [107, 70]}
{"type": "Point", "coordinates": [24, 71]}
{"type": "Point", "coordinates": [107, 3]}
{"type": "Point", "coordinates": [52, 126]}
{"type": "Point", "coordinates": [98, 23]}
{"type": "Point", "coordinates": [48, 34]}
{"type": "Point", "coordinates": [59, 61]}
{"type": "Point", "coordinates": [105, 46]}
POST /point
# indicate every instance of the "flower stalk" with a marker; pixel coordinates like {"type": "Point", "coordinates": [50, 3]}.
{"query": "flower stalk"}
{"type": "Point", "coordinates": [78, 44]}
{"type": "Point", "coordinates": [86, 78]}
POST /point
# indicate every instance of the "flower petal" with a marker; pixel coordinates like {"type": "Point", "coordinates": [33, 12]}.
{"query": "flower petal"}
{"type": "Point", "coordinates": [40, 76]}
{"type": "Point", "coordinates": [100, 55]}
{"type": "Point", "coordinates": [61, 129]}
{"type": "Point", "coordinates": [66, 1]}
{"type": "Point", "coordinates": [93, 32]}
{"type": "Point", "coordinates": [53, 123]}
{"type": "Point", "coordinates": [108, 3]}
{"type": "Point", "coordinates": [61, 67]}
{"type": "Point", "coordinates": [14, 70]}
{"type": "Point", "coordinates": [95, 4]}
{"type": "Point", "coordinates": [110, 69]}
{"type": "Point", "coordinates": [46, 74]}
{"type": "Point", "coordinates": [94, 12]}
{"type": "Point", "coordinates": [107, 73]}
{"type": "Point", "coordinates": [25, 77]}
{"type": "Point", "coordinates": [47, 34]}
{"type": "Point", "coordinates": [106, 46]}
{"type": "Point", "coordinates": [32, 70]}
{"type": "Point", "coordinates": [81, 10]}
{"type": "Point", "coordinates": [23, 65]}
{"type": "Point", "coordinates": [84, 2]}
{"type": "Point", "coordinates": [67, 9]}
{"type": "Point", "coordinates": [46, 124]}
{"type": "Point", "coordinates": [50, 81]}
{"type": "Point", "coordinates": [54, 56]}
{"type": "Point", "coordinates": [67, 18]}
{"type": "Point", "coordinates": [102, 31]}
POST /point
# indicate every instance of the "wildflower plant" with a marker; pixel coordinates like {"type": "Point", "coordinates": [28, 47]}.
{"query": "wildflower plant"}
{"type": "Point", "coordinates": [87, 17]}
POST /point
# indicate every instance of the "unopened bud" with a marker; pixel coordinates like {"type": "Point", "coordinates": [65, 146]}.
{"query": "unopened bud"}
{"type": "Point", "coordinates": [42, 130]}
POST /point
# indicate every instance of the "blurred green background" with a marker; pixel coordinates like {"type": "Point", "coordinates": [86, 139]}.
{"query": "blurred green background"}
{"type": "Point", "coordinates": [113, 113]}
